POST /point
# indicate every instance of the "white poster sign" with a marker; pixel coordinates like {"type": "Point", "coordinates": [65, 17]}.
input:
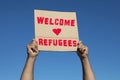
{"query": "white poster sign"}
{"type": "Point", "coordinates": [56, 31]}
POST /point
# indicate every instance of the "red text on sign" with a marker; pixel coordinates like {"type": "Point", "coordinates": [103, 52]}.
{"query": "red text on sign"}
{"type": "Point", "coordinates": [57, 42]}
{"type": "Point", "coordinates": [56, 21]}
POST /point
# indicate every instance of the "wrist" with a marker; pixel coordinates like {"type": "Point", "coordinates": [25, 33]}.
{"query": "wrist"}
{"type": "Point", "coordinates": [84, 59]}
{"type": "Point", "coordinates": [31, 58]}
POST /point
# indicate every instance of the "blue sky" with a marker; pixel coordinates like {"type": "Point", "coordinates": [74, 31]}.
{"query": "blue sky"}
{"type": "Point", "coordinates": [99, 29]}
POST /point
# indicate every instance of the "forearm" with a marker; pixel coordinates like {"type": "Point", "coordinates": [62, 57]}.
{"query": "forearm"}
{"type": "Point", "coordinates": [28, 69]}
{"type": "Point", "coordinates": [87, 70]}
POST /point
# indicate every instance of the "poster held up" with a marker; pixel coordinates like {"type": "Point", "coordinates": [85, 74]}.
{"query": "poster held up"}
{"type": "Point", "coordinates": [56, 31]}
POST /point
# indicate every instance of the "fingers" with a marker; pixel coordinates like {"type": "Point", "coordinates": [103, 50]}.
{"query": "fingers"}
{"type": "Point", "coordinates": [33, 46]}
{"type": "Point", "coordinates": [79, 44]}
{"type": "Point", "coordinates": [33, 41]}
{"type": "Point", "coordinates": [82, 48]}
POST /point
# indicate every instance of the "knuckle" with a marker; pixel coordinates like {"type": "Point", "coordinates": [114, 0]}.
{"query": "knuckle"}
{"type": "Point", "coordinates": [28, 46]}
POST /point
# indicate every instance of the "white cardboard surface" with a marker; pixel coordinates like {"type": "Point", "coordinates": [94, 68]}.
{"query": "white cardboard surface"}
{"type": "Point", "coordinates": [56, 31]}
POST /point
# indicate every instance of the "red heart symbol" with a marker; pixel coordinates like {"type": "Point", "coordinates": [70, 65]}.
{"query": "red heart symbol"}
{"type": "Point", "coordinates": [57, 31]}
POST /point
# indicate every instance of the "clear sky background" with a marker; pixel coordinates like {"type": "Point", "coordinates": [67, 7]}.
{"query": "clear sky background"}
{"type": "Point", "coordinates": [99, 29]}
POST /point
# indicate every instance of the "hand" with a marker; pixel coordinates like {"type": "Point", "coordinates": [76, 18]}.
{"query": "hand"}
{"type": "Point", "coordinates": [32, 49]}
{"type": "Point", "coordinates": [82, 50]}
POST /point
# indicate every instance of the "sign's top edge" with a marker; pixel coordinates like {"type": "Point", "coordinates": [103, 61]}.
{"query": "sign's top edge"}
{"type": "Point", "coordinates": [54, 11]}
